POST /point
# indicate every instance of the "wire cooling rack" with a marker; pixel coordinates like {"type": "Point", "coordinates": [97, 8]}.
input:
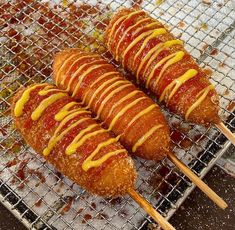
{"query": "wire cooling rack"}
{"type": "Point", "coordinates": [31, 33]}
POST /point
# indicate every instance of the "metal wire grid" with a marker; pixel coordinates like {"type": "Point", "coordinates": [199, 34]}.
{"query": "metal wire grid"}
{"type": "Point", "coordinates": [56, 193]}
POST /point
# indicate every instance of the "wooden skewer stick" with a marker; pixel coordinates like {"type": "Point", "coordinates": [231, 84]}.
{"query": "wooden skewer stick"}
{"type": "Point", "coordinates": [150, 210]}
{"type": "Point", "coordinates": [198, 182]}
{"type": "Point", "coordinates": [223, 129]}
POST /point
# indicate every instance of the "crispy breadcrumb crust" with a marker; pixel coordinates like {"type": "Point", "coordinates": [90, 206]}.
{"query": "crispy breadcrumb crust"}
{"type": "Point", "coordinates": [207, 111]}
{"type": "Point", "coordinates": [154, 148]}
{"type": "Point", "coordinates": [111, 179]}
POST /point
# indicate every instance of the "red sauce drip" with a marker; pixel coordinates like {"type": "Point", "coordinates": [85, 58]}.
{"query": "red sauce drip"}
{"type": "Point", "coordinates": [67, 207]}
{"type": "Point", "coordinates": [22, 185]}
{"type": "Point", "coordinates": [86, 218]}
{"type": "Point", "coordinates": [214, 51]}
{"type": "Point", "coordinates": [93, 205]}
{"type": "Point", "coordinates": [172, 178]}
{"type": "Point", "coordinates": [38, 203]}
{"type": "Point", "coordinates": [186, 143]}
{"type": "Point", "coordinates": [102, 24]}
{"type": "Point", "coordinates": [39, 175]}
{"type": "Point", "coordinates": [163, 171]}
{"type": "Point", "coordinates": [123, 212]}
{"type": "Point", "coordinates": [52, 28]}
{"type": "Point", "coordinates": [79, 210]}
{"type": "Point", "coordinates": [155, 180]}
{"type": "Point", "coordinates": [58, 176]}
{"type": "Point", "coordinates": [13, 180]}
{"type": "Point", "coordinates": [3, 131]}
{"type": "Point", "coordinates": [176, 136]}
{"type": "Point", "coordinates": [8, 68]}
{"type": "Point", "coordinates": [115, 201]}
{"type": "Point", "coordinates": [21, 170]}
{"type": "Point", "coordinates": [12, 162]}
{"type": "Point", "coordinates": [11, 32]}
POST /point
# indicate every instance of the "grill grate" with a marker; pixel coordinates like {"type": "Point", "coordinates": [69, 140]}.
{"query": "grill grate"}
{"type": "Point", "coordinates": [31, 33]}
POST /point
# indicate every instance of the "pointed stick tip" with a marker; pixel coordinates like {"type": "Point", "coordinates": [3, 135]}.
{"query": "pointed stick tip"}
{"type": "Point", "coordinates": [198, 182]}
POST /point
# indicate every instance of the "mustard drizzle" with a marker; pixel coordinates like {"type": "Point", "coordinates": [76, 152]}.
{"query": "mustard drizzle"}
{"type": "Point", "coordinates": [123, 111]}
{"type": "Point", "coordinates": [99, 79]}
{"type": "Point", "coordinates": [133, 43]}
{"type": "Point", "coordinates": [81, 137]}
{"type": "Point", "coordinates": [62, 66]}
{"type": "Point", "coordinates": [140, 114]}
{"type": "Point", "coordinates": [153, 53]}
{"type": "Point", "coordinates": [146, 27]}
{"type": "Point", "coordinates": [133, 93]}
{"type": "Point", "coordinates": [164, 45]}
{"type": "Point", "coordinates": [175, 84]}
{"type": "Point", "coordinates": [124, 35]}
{"type": "Point", "coordinates": [88, 163]}
{"type": "Point", "coordinates": [158, 48]}
{"type": "Point", "coordinates": [168, 60]}
{"type": "Point", "coordinates": [56, 138]}
{"type": "Point", "coordinates": [112, 86]}
{"type": "Point", "coordinates": [178, 56]}
{"type": "Point", "coordinates": [63, 113]}
{"type": "Point", "coordinates": [46, 91]}
{"type": "Point", "coordinates": [45, 103]}
{"type": "Point", "coordinates": [110, 95]}
{"type": "Point", "coordinates": [80, 58]}
{"type": "Point", "coordinates": [78, 70]}
{"type": "Point", "coordinates": [19, 106]}
{"type": "Point", "coordinates": [120, 20]}
{"type": "Point", "coordinates": [87, 136]}
{"type": "Point", "coordinates": [74, 144]}
{"type": "Point", "coordinates": [65, 108]}
{"type": "Point", "coordinates": [83, 75]}
{"type": "Point", "coordinates": [145, 137]}
{"type": "Point", "coordinates": [200, 98]}
{"type": "Point", "coordinates": [100, 88]}
{"type": "Point", "coordinates": [128, 17]}
{"type": "Point", "coordinates": [155, 33]}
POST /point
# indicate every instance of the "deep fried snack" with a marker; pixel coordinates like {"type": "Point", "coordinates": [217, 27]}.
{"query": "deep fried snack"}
{"type": "Point", "coordinates": [159, 61]}
{"type": "Point", "coordinates": [123, 108]}
{"type": "Point", "coordinates": [57, 128]}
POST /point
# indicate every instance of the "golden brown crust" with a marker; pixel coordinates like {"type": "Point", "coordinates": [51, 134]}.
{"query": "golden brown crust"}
{"type": "Point", "coordinates": [100, 180]}
{"type": "Point", "coordinates": [207, 111]}
{"type": "Point", "coordinates": [113, 177]}
{"type": "Point", "coordinates": [156, 146]}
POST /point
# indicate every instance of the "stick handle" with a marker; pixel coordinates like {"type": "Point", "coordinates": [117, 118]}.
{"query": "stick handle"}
{"type": "Point", "coordinates": [198, 182]}
{"type": "Point", "coordinates": [223, 129]}
{"type": "Point", "coordinates": [150, 210]}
